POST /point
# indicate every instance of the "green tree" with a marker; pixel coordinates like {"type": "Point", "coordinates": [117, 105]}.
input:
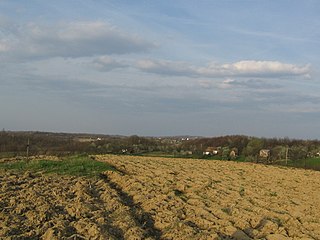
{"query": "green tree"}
{"type": "Point", "coordinates": [253, 147]}
{"type": "Point", "coordinates": [298, 152]}
{"type": "Point", "coordinates": [225, 153]}
{"type": "Point", "coordinates": [278, 153]}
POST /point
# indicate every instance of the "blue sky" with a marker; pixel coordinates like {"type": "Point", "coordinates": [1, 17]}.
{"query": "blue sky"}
{"type": "Point", "coordinates": [158, 68]}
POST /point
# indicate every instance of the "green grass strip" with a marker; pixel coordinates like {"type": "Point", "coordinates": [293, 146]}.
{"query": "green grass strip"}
{"type": "Point", "coordinates": [74, 166]}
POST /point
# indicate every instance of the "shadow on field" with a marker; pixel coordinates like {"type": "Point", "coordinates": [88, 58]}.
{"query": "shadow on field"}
{"type": "Point", "coordinates": [142, 219]}
{"type": "Point", "coordinates": [108, 225]}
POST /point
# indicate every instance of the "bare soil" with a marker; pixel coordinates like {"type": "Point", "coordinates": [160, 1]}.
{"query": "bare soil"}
{"type": "Point", "coordinates": [158, 198]}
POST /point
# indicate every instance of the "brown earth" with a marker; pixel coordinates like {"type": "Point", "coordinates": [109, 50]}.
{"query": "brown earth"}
{"type": "Point", "coordinates": [158, 198]}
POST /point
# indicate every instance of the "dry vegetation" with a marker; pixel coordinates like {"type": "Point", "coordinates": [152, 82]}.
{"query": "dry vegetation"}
{"type": "Point", "coordinates": [158, 198]}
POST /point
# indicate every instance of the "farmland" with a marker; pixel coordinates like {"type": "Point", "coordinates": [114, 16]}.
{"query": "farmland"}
{"type": "Point", "coordinates": [162, 198]}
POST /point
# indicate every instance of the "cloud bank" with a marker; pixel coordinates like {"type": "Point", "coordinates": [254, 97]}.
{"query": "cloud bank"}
{"type": "Point", "coordinates": [102, 40]}
{"type": "Point", "coordinates": [251, 68]}
{"type": "Point", "coordinates": [68, 39]}
{"type": "Point", "coordinates": [246, 68]}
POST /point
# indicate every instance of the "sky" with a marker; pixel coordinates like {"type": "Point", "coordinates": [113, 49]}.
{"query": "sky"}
{"type": "Point", "coordinates": [161, 68]}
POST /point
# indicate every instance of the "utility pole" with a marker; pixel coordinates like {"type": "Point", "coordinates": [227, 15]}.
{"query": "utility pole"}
{"type": "Point", "coordinates": [287, 150]}
{"type": "Point", "coordinates": [28, 145]}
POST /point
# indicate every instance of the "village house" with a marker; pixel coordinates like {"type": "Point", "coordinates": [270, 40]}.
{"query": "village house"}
{"type": "Point", "coordinates": [210, 151]}
{"type": "Point", "coordinates": [233, 154]}
{"type": "Point", "coordinates": [264, 155]}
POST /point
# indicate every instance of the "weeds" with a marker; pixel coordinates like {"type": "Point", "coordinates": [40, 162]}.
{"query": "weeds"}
{"type": "Point", "coordinates": [277, 221]}
{"type": "Point", "coordinates": [241, 191]}
{"type": "Point", "coordinates": [273, 194]}
{"type": "Point", "coordinates": [227, 210]}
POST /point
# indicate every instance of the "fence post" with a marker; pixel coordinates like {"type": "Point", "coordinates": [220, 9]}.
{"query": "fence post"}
{"type": "Point", "coordinates": [28, 149]}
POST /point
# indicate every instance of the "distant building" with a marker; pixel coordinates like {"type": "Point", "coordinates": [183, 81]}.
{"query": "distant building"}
{"type": "Point", "coordinates": [124, 150]}
{"type": "Point", "coordinates": [233, 154]}
{"type": "Point", "coordinates": [211, 151]}
{"type": "Point", "coordinates": [264, 153]}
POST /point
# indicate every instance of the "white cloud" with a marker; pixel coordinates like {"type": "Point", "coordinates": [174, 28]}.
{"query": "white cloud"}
{"type": "Point", "coordinates": [226, 83]}
{"type": "Point", "coordinates": [246, 68]}
{"type": "Point", "coordinates": [106, 63]}
{"type": "Point", "coordinates": [165, 67]}
{"type": "Point", "coordinates": [256, 84]}
{"type": "Point", "coordinates": [254, 69]}
{"type": "Point", "coordinates": [72, 39]}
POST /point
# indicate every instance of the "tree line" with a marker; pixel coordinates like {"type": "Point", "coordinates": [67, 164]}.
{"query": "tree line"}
{"type": "Point", "coordinates": [227, 147]}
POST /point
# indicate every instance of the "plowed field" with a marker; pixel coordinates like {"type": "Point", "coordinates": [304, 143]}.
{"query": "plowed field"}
{"type": "Point", "coordinates": [158, 198]}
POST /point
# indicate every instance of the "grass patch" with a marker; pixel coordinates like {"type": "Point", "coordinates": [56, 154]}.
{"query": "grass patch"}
{"type": "Point", "coordinates": [309, 163]}
{"type": "Point", "coordinates": [241, 158]}
{"type": "Point", "coordinates": [7, 154]}
{"type": "Point", "coordinates": [75, 166]}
